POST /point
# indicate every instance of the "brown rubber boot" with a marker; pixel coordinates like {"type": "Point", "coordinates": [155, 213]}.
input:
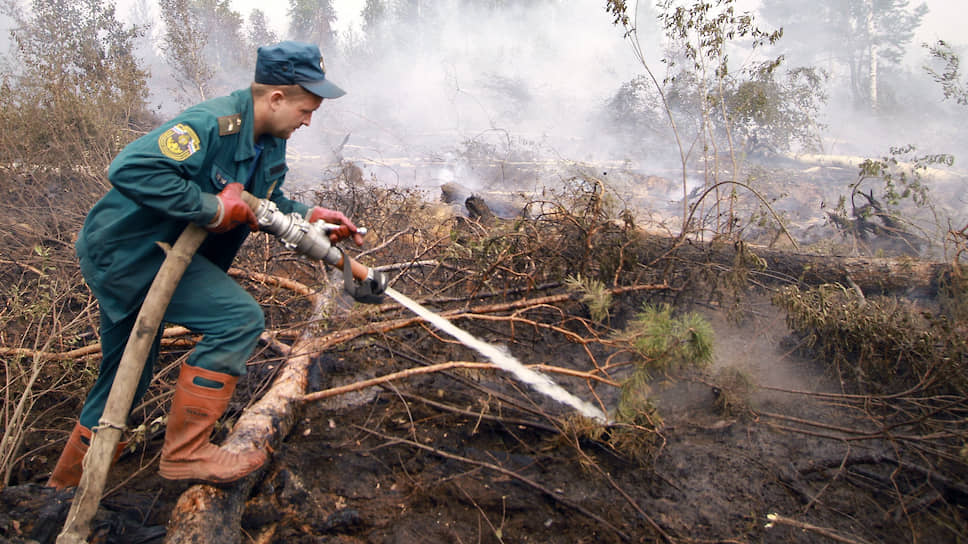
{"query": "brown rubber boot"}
{"type": "Point", "coordinates": [187, 453]}
{"type": "Point", "coordinates": [67, 472]}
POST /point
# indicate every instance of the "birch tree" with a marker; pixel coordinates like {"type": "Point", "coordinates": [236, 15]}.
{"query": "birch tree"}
{"type": "Point", "coordinates": [852, 39]}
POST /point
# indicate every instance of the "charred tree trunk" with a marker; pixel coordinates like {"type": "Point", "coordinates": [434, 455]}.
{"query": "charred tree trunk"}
{"type": "Point", "coordinates": [874, 276]}
{"type": "Point", "coordinates": [899, 276]}
{"type": "Point", "coordinates": [484, 205]}
{"type": "Point", "coordinates": [884, 276]}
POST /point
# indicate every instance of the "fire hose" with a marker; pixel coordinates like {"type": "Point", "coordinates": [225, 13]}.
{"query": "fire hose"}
{"type": "Point", "coordinates": [312, 240]}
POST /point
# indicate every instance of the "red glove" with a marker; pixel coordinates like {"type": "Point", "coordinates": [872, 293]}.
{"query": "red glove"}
{"type": "Point", "coordinates": [347, 228]}
{"type": "Point", "coordinates": [232, 211]}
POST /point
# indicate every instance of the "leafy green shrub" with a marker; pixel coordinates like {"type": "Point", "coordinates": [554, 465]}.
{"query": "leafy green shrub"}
{"type": "Point", "coordinates": [78, 94]}
{"type": "Point", "coordinates": [595, 296]}
{"type": "Point", "coordinates": [666, 342]}
{"type": "Point", "coordinates": [878, 344]}
{"type": "Point", "coordinates": [771, 113]}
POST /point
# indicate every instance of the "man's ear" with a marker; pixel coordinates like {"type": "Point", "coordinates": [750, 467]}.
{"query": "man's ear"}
{"type": "Point", "coordinates": [276, 98]}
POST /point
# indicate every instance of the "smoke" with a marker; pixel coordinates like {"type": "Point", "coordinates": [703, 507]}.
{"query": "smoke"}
{"type": "Point", "coordinates": [447, 95]}
{"type": "Point", "coordinates": [503, 80]}
{"type": "Point", "coordinates": [911, 108]}
{"type": "Point", "coordinates": [532, 81]}
{"type": "Point", "coordinates": [6, 25]}
{"type": "Point", "coordinates": [522, 94]}
{"type": "Point", "coordinates": [527, 81]}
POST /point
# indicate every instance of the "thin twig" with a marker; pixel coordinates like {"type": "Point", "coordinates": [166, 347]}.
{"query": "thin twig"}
{"type": "Point", "coordinates": [823, 531]}
{"type": "Point", "coordinates": [481, 415]}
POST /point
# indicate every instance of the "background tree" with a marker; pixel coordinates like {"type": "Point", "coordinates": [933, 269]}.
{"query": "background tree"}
{"type": "Point", "coordinates": [636, 110]}
{"type": "Point", "coordinates": [504, 4]}
{"type": "Point", "coordinates": [950, 76]}
{"type": "Point", "coordinates": [695, 94]}
{"type": "Point", "coordinates": [205, 56]}
{"type": "Point", "coordinates": [702, 32]}
{"type": "Point", "coordinates": [411, 9]}
{"type": "Point", "coordinates": [141, 16]}
{"type": "Point", "coordinates": [375, 14]}
{"type": "Point", "coordinates": [855, 39]}
{"type": "Point", "coordinates": [71, 96]}
{"type": "Point", "coordinates": [312, 21]}
{"type": "Point", "coordinates": [772, 111]}
{"type": "Point", "coordinates": [183, 48]}
{"type": "Point", "coordinates": [77, 91]}
{"type": "Point", "coordinates": [259, 32]}
{"type": "Point", "coordinates": [403, 24]}
{"type": "Point", "coordinates": [226, 45]}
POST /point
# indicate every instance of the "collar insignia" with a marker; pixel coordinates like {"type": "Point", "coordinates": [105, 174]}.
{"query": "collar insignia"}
{"type": "Point", "coordinates": [229, 124]}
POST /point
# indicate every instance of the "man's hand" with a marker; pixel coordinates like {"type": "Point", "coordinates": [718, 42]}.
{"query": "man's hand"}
{"type": "Point", "coordinates": [346, 230]}
{"type": "Point", "coordinates": [232, 211]}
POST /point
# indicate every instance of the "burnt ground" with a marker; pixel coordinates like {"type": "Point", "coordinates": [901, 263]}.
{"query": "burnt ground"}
{"type": "Point", "coordinates": [471, 458]}
{"type": "Point", "coordinates": [394, 469]}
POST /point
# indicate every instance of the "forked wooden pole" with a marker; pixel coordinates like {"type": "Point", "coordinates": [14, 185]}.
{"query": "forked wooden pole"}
{"type": "Point", "coordinates": [97, 462]}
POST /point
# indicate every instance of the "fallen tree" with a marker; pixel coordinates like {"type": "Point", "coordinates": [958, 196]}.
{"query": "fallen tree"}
{"type": "Point", "coordinates": [872, 275]}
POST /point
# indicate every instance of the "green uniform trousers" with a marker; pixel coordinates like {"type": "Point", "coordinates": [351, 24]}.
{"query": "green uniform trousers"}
{"type": "Point", "coordinates": [206, 301]}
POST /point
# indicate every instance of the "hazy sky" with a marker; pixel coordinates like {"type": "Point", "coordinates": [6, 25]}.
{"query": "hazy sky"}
{"type": "Point", "coordinates": [946, 19]}
{"type": "Point", "coordinates": [561, 62]}
{"type": "Point", "coordinates": [539, 80]}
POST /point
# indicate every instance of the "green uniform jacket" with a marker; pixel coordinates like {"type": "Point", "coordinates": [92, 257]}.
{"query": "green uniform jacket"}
{"type": "Point", "coordinates": [166, 179]}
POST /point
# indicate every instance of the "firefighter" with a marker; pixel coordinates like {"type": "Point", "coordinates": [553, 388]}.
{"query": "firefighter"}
{"type": "Point", "coordinates": [192, 169]}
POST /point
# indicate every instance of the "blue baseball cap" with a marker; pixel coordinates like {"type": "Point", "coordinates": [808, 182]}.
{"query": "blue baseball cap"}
{"type": "Point", "coordinates": [295, 63]}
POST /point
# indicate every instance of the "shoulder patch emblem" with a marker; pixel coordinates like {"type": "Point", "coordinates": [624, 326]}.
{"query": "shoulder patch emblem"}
{"type": "Point", "coordinates": [229, 124]}
{"type": "Point", "coordinates": [179, 142]}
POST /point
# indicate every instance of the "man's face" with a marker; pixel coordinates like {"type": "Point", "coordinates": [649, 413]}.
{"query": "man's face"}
{"type": "Point", "coordinates": [293, 112]}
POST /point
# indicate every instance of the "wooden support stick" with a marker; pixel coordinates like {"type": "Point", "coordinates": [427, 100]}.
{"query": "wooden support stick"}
{"type": "Point", "coordinates": [105, 440]}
